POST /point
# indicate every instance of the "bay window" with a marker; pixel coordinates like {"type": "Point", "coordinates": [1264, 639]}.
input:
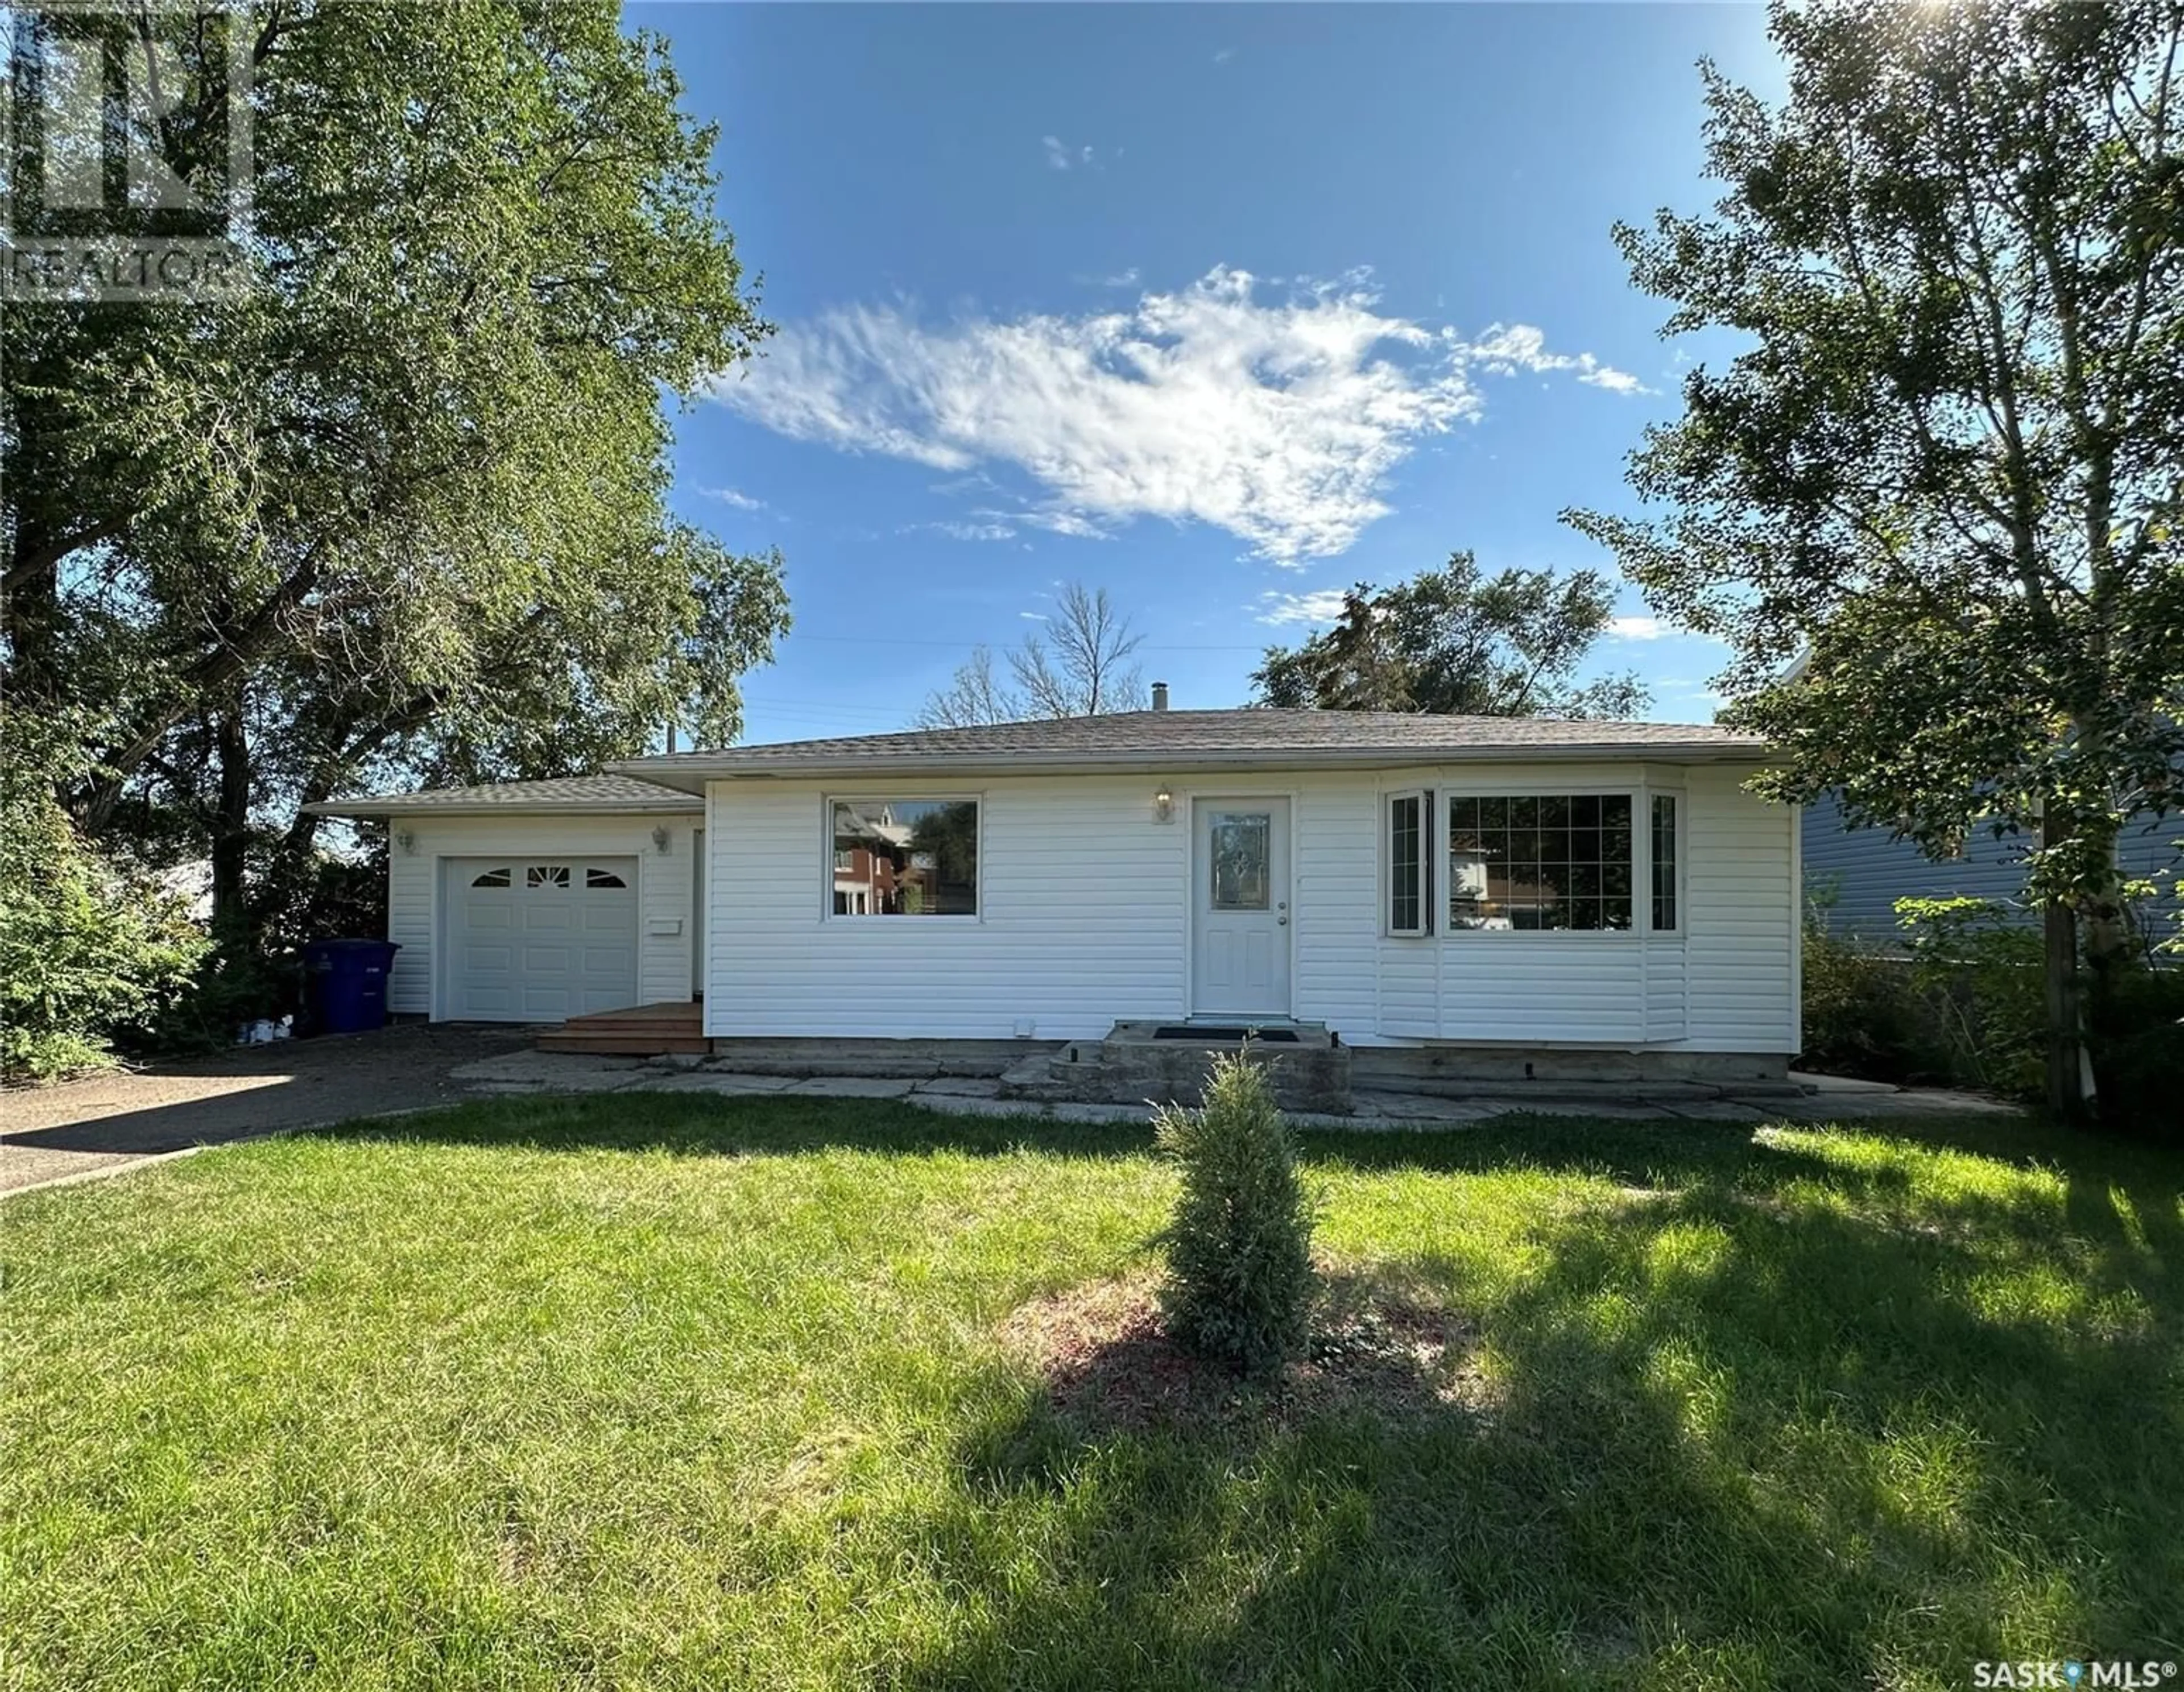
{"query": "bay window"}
{"type": "Point", "coordinates": [1410, 894]}
{"type": "Point", "coordinates": [1541, 862]}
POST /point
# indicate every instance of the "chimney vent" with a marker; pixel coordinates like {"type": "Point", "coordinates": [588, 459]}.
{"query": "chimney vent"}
{"type": "Point", "coordinates": [1159, 696]}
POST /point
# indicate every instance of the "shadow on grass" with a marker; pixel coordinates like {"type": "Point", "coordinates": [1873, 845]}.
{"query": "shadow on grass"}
{"type": "Point", "coordinates": [1738, 1434]}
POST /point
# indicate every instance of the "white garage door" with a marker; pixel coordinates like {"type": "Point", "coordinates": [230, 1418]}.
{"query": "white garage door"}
{"type": "Point", "coordinates": [534, 940]}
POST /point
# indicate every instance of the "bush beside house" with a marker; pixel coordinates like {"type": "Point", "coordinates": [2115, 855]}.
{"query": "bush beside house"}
{"type": "Point", "coordinates": [1963, 1003]}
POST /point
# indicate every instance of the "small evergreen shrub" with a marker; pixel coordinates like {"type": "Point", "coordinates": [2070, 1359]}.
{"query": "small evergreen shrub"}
{"type": "Point", "coordinates": [1239, 1282]}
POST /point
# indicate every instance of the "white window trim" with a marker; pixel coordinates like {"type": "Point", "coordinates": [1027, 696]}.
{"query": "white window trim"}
{"type": "Point", "coordinates": [1642, 863]}
{"type": "Point", "coordinates": [1427, 838]}
{"type": "Point", "coordinates": [914, 795]}
{"type": "Point", "coordinates": [1683, 861]}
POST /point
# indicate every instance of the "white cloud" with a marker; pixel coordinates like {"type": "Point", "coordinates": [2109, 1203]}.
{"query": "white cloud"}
{"type": "Point", "coordinates": [1507, 348]}
{"type": "Point", "coordinates": [1280, 421]}
{"type": "Point", "coordinates": [1636, 628]}
{"type": "Point", "coordinates": [1224, 55]}
{"type": "Point", "coordinates": [966, 531]}
{"type": "Point", "coordinates": [1060, 156]}
{"type": "Point", "coordinates": [1321, 605]}
{"type": "Point", "coordinates": [1614, 381]}
{"type": "Point", "coordinates": [734, 497]}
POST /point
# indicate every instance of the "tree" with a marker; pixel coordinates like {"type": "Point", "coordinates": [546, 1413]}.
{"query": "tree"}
{"type": "Point", "coordinates": [1079, 667]}
{"type": "Point", "coordinates": [1455, 641]}
{"type": "Point", "coordinates": [396, 511]}
{"type": "Point", "coordinates": [1949, 470]}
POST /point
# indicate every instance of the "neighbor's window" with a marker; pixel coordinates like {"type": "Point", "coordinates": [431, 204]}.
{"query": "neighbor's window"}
{"type": "Point", "coordinates": [1540, 862]}
{"type": "Point", "coordinates": [906, 858]}
{"type": "Point", "coordinates": [1409, 903]}
{"type": "Point", "coordinates": [1664, 864]}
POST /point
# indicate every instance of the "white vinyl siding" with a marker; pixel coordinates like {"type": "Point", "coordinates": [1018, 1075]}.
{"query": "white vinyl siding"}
{"type": "Point", "coordinates": [1740, 917]}
{"type": "Point", "coordinates": [1085, 919]}
{"type": "Point", "coordinates": [416, 918]}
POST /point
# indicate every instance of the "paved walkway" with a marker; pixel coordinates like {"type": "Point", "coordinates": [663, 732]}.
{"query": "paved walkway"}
{"type": "Point", "coordinates": [1831, 1099]}
{"type": "Point", "coordinates": [81, 1129]}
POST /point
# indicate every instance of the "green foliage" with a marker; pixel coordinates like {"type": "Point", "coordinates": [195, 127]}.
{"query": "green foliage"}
{"type": "Point", "coordinates": [1458, 643]}
{"type": "Point", "coordinates": [86, 946]}
{"type": "Point", "coordinates": [1861, 1016]}
{"type": "Point", "coordinates": [1239, 1282]}
{"type": "Point", "coordinates": [1945, 472]}
{"type": "Point", "coordinates": [1979, 975]}
{"type": "Point", "coordinates": [398, 512]}
{"type": "Point", "coordinates": [2138, 1048]}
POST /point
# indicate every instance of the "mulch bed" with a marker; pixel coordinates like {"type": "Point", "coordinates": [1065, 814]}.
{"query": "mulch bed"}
{"type": "Point", "coordinates": [1104, 1357]}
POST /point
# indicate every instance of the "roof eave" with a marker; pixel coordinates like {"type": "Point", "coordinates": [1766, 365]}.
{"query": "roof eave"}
{"type": "Point", "coordinates": [402, 805]}
{"type": "Point", "coordinates": [689, 773]}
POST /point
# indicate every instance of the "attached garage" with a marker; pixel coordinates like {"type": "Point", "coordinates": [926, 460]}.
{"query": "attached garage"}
{"type": "Point", "coordinates": [536, 901]}
{"type": "Point", "coordinates": [537, 940]}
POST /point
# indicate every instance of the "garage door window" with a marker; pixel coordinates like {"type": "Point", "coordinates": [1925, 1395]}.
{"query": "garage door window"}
{"type": "Point", "coordinates": [603, 878]}
{"type": "Point", "coordinates": [546, 876]}
{"type": "Point", "coordinates": [491, 878]}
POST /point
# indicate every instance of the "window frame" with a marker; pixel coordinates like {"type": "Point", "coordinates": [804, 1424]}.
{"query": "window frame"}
{"type": "Point", "coordinates": [1429, 833]}
{"type": "Point", "coordinates": [1637, 792]}
{"type": "Point", "coordinates": [1678, 905]}
{"type": "Point", "coordinates": [879, 921]}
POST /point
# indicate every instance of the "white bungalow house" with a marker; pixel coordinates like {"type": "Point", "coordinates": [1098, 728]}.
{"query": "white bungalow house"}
{"type": "Point", "coordinates": [1402, 880]}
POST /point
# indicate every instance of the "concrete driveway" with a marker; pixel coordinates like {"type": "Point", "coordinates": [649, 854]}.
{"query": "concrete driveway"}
{"type": "Point", "coordinates": [107, 1121]}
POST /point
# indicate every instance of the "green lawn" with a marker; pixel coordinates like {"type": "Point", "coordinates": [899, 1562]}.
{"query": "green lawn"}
{"type": "Point", "coordinates": [671, 1392]}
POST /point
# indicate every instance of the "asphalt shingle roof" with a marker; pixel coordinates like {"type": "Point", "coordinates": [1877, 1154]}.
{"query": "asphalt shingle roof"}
{"type": "Point", "coordinates": [607, 792]}
{"type": "Point", "coordinates": [1180, 739]}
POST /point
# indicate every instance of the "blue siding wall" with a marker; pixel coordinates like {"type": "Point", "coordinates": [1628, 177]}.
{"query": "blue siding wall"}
{"type": "Point", "coordinates": [1869, 871]}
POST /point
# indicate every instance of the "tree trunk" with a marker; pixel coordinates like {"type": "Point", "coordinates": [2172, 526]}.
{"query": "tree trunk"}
{"type": "Point", "coordinates": [230, 829]}
{"type": "Point", "coordinates": [2066, 1088]}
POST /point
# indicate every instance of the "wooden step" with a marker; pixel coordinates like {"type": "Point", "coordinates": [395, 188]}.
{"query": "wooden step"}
{"type": "Point", "coordinates": [633, 1031]}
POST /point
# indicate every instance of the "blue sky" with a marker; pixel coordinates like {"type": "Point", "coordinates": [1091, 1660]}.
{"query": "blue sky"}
{"type": "Point", "coordinates": [1220, 308]}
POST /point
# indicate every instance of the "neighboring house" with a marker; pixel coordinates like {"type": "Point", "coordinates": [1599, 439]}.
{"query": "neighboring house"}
{"type": "Point", "coordinates": [1402, 879]}
{"type": "Point", "coordinates": [1853, 877]}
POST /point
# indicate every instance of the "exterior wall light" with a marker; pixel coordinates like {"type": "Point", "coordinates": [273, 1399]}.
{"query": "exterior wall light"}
{"type": "Point", "coordinates": [1164, 805]}
{"type": "Point", "coordinates": [659, 839]}
{"type": "Point", "coordinates": [407, 841]}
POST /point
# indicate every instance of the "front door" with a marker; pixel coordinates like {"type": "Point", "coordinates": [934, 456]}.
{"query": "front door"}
{"type": "Point", "coordinates": [1240, 906]}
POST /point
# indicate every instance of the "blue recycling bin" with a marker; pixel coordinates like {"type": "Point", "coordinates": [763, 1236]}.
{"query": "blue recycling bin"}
{"type": "Point", "coordinates": [346, 983]}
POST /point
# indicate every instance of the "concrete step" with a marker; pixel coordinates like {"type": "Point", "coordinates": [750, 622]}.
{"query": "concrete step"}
{"type": "Point", "coordinates": [625, 1043]}
{"type": "Point", "coordinates": [1567, 1091]}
